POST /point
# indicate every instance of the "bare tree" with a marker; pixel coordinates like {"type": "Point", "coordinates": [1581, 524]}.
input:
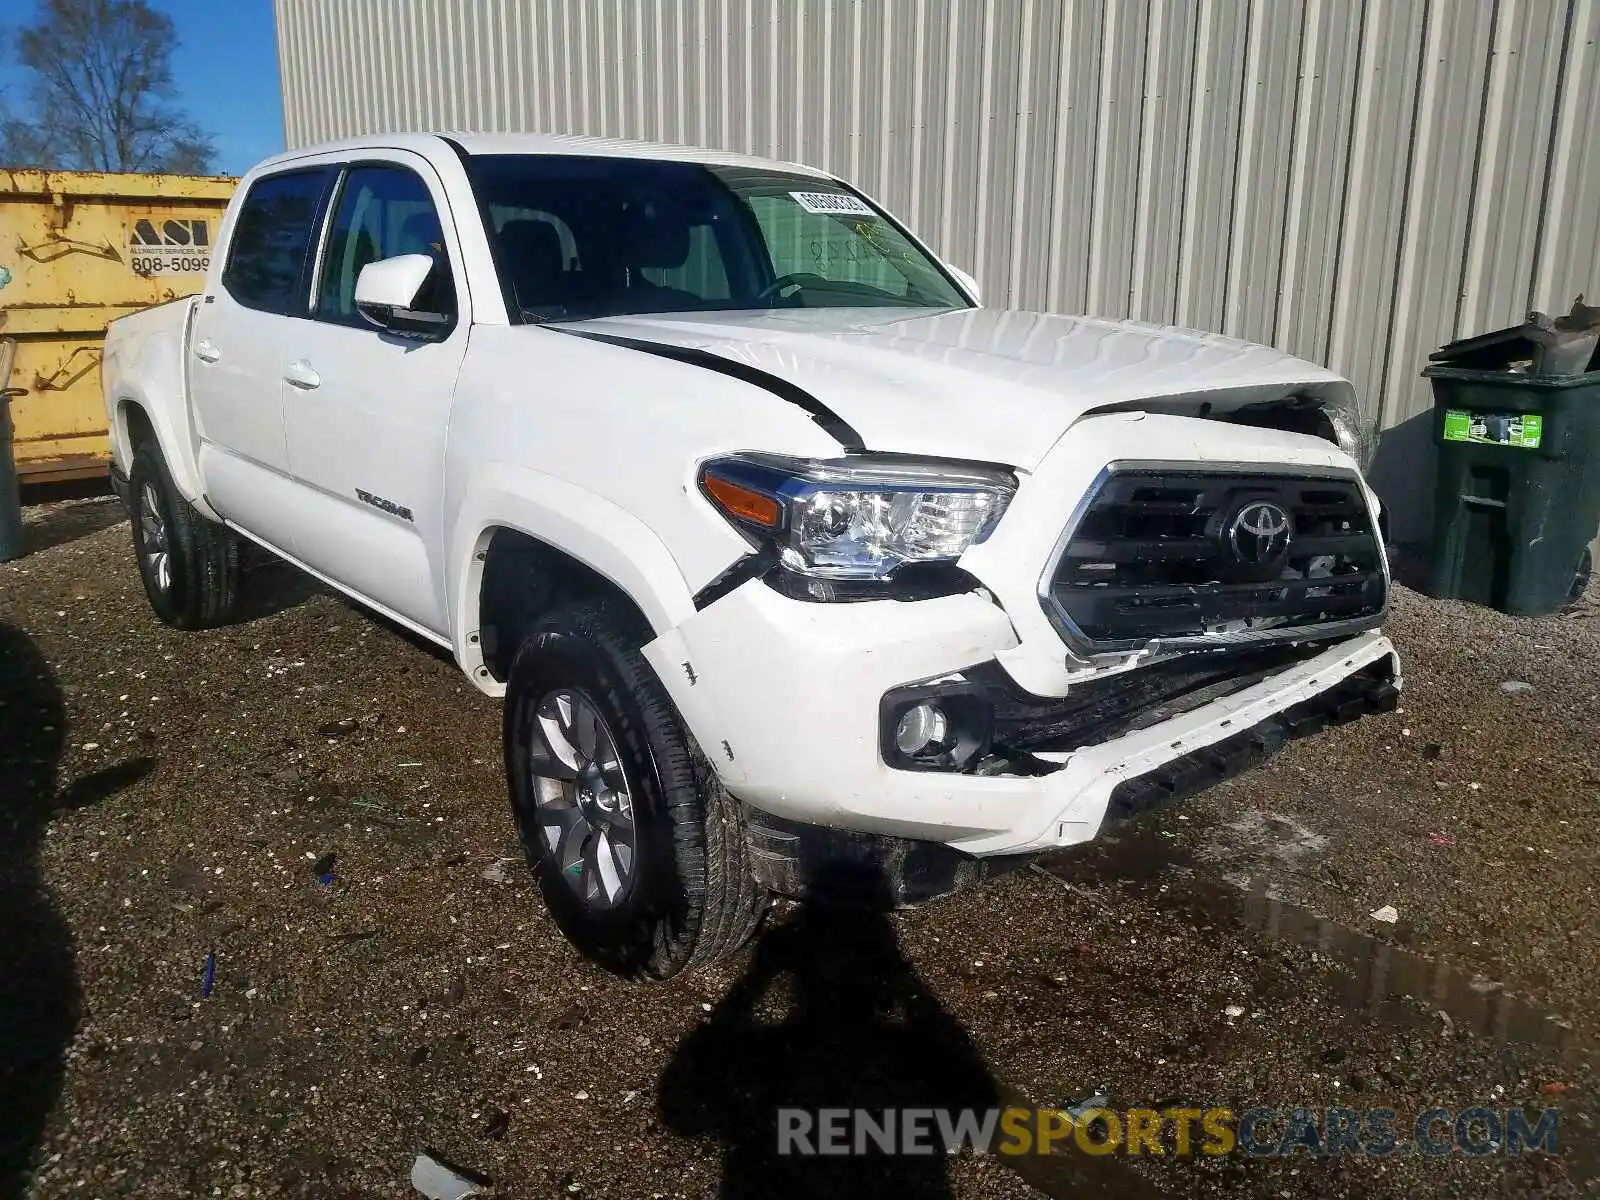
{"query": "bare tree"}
{"type": "Point", "coordinates": [99, 93]}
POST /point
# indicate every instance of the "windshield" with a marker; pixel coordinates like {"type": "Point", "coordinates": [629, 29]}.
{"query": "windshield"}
{"type": "Point", "coordinates": [579, 237]}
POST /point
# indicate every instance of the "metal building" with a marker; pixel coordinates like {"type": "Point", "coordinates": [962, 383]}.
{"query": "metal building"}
{"type": "Point", "coordinates": [1355, 181]}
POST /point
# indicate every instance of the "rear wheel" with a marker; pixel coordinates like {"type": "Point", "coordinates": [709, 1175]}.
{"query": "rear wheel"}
{"type": "Point", "coordinates": [641, 855]}
{"type": "Point", "coordinates": [189, 565]}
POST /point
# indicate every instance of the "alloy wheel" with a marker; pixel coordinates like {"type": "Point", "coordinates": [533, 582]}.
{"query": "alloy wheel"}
{"type": "Point", "coordinates": [582, 801]}
{"type": "Point", "coordinates": [154, 546]}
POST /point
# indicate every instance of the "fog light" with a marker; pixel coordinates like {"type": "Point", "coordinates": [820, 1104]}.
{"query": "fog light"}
{"type": "Point", "coordinates": [922, 727]}
{"type": "Point", "coordinates": [941, 726]}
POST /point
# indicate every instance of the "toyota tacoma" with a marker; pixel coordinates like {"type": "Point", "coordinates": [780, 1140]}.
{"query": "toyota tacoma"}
{"type": "Point", "coordinates": [798, 569]}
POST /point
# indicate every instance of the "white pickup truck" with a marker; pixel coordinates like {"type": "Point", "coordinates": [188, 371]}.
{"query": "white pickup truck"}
{"type": "Point", "coordinates": [799, 570]}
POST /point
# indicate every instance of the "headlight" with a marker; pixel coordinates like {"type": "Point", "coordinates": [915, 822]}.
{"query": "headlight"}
{"type": "Point", "coordinates": [857, 520]}
{"type": "Point", "coordinates": [1353, 433]}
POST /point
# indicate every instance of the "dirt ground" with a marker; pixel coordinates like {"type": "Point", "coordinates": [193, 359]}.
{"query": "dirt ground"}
{"type": "Point", "coordinates": [309, 809]}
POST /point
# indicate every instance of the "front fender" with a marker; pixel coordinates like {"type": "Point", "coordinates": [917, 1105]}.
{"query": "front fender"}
{"type": "Point", "coordinates": [604, 537]}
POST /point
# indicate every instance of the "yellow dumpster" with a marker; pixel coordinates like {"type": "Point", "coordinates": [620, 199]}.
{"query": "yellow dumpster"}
{"type": "Point", "coordinates": [78, 249]}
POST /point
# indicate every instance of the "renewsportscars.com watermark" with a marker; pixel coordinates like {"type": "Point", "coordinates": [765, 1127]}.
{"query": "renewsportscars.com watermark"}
{"type": "Point", "coordinates": [1377, 1132]}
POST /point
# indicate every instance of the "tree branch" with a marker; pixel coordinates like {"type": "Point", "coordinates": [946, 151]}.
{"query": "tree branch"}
{"type": "Point", "coordinates": [100, 71]}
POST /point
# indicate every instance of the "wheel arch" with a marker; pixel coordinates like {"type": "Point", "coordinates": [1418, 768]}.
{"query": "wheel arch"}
{"type": "Point", "coordinates": [133, 425]}
{"type": "Point", "coordinates": [134, 419]}
{"type": "Point", "coordinates": [517, 551]}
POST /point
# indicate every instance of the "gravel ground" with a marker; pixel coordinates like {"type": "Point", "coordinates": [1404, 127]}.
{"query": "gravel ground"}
{"type": "Point", "coordinates": [313, 804]}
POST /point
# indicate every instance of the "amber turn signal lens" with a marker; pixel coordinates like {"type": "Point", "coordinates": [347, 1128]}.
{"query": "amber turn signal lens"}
{"type": "Point", "coordinates": [742, 503]}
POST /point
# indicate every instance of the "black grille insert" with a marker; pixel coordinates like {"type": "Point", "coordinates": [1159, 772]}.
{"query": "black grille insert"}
{"type": "Point", "coordinates": [1181, 555]}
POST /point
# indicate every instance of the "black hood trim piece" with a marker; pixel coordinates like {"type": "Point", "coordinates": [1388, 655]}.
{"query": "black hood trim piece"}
{"type": "Point", "coordinates": [741, 572]}
{"type": "Point", "coordinates": [836, 426]}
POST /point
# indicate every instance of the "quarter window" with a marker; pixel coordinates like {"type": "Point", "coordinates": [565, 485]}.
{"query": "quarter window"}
{"type": "Point", "coordinates": [382, 212]}
{"type": "Point", "coordinates": [267, 252]}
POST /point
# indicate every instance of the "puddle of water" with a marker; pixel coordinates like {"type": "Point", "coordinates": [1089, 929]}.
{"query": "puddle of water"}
{"type": "Point", "coordinates": [1377, 977]}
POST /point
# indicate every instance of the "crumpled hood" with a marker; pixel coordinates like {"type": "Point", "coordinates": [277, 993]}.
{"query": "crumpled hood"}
{"type": "Point", "coordinates": [984, 384]}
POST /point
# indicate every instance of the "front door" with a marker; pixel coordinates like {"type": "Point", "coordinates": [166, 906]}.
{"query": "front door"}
{"type": "Point", "coordinates": [366, 410]}
{"type": "Point", "coordinates": [236, 353]}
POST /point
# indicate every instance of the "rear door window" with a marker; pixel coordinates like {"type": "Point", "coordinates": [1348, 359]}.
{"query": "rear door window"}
{"type": "Point", "coordinates": [271, 240]}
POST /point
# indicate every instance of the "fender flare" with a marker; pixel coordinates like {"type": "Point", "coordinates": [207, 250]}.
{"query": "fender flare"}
{"type": "Point", "coordinates": [173, 442]}
{"type": "Point", "coordinates": [159, 389]}
{"type": "Point", "coordinates": [606, 538]}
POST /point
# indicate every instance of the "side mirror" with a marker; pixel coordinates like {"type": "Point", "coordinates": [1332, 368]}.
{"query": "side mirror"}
{"type": "Point", "coordinates": [966, 281]}
{"type": "Point", "coordinates": [387, 289]}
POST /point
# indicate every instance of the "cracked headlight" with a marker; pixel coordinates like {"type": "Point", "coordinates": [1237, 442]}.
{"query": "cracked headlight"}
{"type": "Point", "coordinates": [863, 519]}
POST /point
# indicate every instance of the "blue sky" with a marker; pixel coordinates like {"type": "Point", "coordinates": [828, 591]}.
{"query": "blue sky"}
{"type": "Point", "coordinates": [225, 67]}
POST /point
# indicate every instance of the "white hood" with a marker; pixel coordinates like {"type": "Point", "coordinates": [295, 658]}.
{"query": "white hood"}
{"type": "Point", "coordinates": [985, 384]}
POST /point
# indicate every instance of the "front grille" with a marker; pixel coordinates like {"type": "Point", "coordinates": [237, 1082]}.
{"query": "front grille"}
{"type": "Point", "coordinates": [1186, 556]}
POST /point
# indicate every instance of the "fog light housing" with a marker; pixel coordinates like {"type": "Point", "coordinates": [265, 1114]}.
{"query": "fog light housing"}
{"type": "Point", "coordinates": [935, 727]}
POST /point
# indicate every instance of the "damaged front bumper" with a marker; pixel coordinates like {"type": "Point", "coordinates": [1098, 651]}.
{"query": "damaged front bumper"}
{"type": "Point", "coordinates": [784, 697]}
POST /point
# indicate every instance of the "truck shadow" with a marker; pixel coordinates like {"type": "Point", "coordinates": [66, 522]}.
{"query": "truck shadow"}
{"type": "Point", "coordinates": [64, 523]}
{"type": "Point", "coordinates": [268, 585]}
{"type": "Point", "coordinates": [39, 993]}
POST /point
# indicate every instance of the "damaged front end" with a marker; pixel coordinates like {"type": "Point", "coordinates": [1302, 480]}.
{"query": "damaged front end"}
{"type": "Point", "coordinates": [1333, 416]}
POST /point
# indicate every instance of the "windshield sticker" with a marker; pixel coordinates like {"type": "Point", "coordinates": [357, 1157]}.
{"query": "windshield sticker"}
{"type": "Point", "coordinates": [1523, 430]}
{"type": "Point", "coordinates": [832, 204]}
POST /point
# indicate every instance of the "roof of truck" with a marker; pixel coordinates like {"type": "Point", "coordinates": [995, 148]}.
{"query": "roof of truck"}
{"type": "Point", "coordinates": [542, 143]}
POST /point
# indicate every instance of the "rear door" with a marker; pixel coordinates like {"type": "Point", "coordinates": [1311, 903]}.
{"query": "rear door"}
{"type": "Point", "coordinates": [366, 410]}
{"type": "Point", "coordinates": [237, 353]}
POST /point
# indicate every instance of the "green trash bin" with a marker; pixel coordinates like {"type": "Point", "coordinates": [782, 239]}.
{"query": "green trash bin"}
{"type": "Point", "coordinates": [1518, 496]}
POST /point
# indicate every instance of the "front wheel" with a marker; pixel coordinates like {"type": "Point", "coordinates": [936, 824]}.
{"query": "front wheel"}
{"type": "Point", "coordinates": [641, 855]}
{"type": "Point", "coordinates": [189, 565]}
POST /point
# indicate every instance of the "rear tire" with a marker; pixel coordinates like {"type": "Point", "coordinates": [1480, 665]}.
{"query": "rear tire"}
{"type": "Point", "coordinates": [640, 853]}
{"type": "Point", "coordinates": [189, 565]}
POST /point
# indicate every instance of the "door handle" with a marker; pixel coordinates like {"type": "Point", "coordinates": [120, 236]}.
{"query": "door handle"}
{"type": "Point", "coordinates": [299, 374]}
{"type": "Point", "coordinates": [206, 351]}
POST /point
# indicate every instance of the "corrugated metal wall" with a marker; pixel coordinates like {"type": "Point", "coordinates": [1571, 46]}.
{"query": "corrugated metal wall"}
{"type": "Point", "coordinates": [1353, 180]}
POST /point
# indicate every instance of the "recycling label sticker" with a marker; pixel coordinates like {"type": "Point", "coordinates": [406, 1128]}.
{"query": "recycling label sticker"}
{"type": "Point", "coordinates": [1522, 431]}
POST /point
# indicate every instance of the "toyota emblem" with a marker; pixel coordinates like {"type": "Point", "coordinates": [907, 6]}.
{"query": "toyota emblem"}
{"type": "Point", "coordinates": [1259, 534]}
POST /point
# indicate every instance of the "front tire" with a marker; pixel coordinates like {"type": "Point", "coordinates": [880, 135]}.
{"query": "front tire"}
{"type": "Point", "coordinates": [641, 855]}
{"type": "Point", "coordinates": [189, 565]}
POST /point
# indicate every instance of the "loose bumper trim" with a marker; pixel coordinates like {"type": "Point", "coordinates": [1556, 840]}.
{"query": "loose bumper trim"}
{"type": "Point", "coordinates": [1370, 690]}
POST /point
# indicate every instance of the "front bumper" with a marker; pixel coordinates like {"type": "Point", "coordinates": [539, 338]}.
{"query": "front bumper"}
{"type": "Point", "coordinates": [783, 696]}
